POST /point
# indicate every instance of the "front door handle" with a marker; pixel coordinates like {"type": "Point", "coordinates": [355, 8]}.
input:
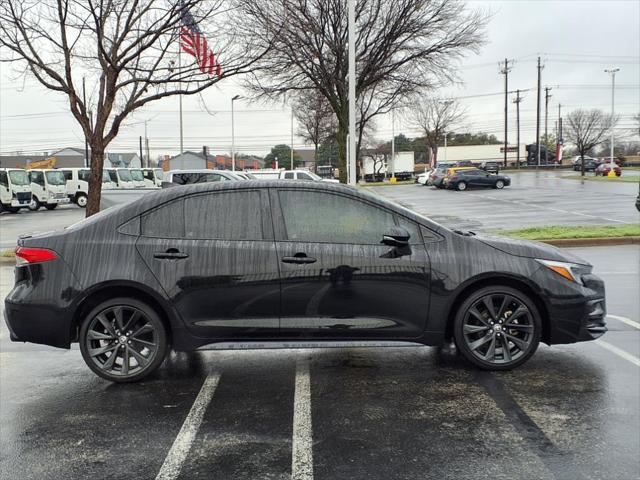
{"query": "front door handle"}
{"type": "Point", "coordinates": [170, 254]}
{"type": "Point", "coordinates": [299, 258]}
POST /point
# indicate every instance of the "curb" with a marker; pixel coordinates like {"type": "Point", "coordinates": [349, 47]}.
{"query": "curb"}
{"type": "Point", "coordinates": [592, 242]}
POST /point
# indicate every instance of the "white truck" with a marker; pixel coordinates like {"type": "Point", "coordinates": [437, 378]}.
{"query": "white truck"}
{"type": "Point", "coordinates": [298, 174]}
{"type": "Point", "coordinates": [15, 189]}
{"type": "Point", "coordinates": [138, 178]}
{"type": "Point", "coordinates": [78, 184]}
{"type": "Point", "coordinates": [121, 177]}
{"type": "Point", "coordinates": [152, 177]}
{"type": "Point", "coordinates": [48, 188]}
{"type": "Point", "coordinates": [375, 170]}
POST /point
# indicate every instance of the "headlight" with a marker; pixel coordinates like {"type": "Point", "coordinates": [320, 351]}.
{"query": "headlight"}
{"type": "Point", "coordinates": [571, 271]}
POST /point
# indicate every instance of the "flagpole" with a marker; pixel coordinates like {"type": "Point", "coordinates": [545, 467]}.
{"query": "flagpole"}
{"type": "Point", "coordinates": [180, 100]}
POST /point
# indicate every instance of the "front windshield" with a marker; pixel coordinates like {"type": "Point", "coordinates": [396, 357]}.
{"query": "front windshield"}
{"type": "Point", "coordinates": [125, 175]}
{"type": "Point", "coordinates": [137, 175]}
{"type": "Point", "coordinates": [55, 178]}
{"type": "Point", "coordinates": [19, 177]}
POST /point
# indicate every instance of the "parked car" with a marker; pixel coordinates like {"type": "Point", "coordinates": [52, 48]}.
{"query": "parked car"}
{"type": "Point", "coordinates": [464, 163]}
{"type": "Point", "coordinates": [15, 189]}
{"type": "Point", "coordinates": [267, 261]}
{"type": "Point", "coordinates": [297, 174]}
{"type": "Point", "coordinates": [604, 169]}
{"type": "Point", "coordinates": [48, 189]}
{"type": "Point", "coordinates": [590, 164]}
{"type": "Point", "coordinates": [491, 167]}
{"type": "Point", "coordinates": [577, 159]}
{"type": "Point", "coordinates": [188, 177]}
{"type": "Point", "coordinates": [422, 178]}
{"type": "Point", "coordinates": [245, 175]}
{"type": "Point", "coordinates": [437, 174]}
{"type": "Point", "coordinates": [469, 178]}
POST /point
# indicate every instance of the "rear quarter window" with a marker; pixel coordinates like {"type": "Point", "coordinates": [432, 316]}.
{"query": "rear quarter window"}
{"type": "Point", "coordinates": [165, 221]}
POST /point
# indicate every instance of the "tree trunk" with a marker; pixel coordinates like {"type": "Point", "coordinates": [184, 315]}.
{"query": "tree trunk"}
{"type": "Point", "coordinates": [95, 179]}
{"type": "Point", "coordinates": [582, 171]}
{"type": "Point", "coordinates": [343, 131]}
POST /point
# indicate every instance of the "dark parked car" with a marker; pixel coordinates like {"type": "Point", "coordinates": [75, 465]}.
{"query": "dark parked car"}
{"type": "Point", "coordinates": [263, 261]}
{"type": "Point", "coordinates": [590, 164]}
{"type": "Point", "coordinates": [463, 179]}
{"type": "Point", "coordinates": [491, 167]}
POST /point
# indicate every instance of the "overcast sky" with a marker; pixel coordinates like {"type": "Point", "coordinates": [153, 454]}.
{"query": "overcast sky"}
{"type": "Point", "coordinates": [576, 39]}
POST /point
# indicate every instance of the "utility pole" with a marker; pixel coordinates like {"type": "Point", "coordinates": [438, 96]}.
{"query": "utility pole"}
{"type": "Point", "coordinates": [559, 140]}
{"type": "Point", "coordinates": [393, 144]}
{"type": "Point", "coordinates": [146, 143]}
{"type": "Point", "coordinates": [612, 72]}
{"type": "Point", "coordinates": [204, 154]}
{"type": "Point", "coordinates": [233, 137]}
{"type": "Point", "coordinates": [546, 122]}
{"type": "Point", "coordinates": [505, 69]}
{"type": "Point", "coordinates": [140, 145]}
{"type": "Point", "coordinates": [86, 144]}
{"type": "Point", "coordinates": [517, 101]}
{"type": "Point", "coordinates": [540, 67]}
{"type": "Point", "coordinates": [292, 136]}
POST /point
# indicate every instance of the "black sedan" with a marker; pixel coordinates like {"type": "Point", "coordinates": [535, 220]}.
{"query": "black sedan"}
{"type": "Point", "coordinates": [463, 179]}
{"type": "Point", "coordinates": [211, 265]}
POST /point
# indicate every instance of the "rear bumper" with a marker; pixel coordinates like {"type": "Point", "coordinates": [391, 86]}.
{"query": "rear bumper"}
{"type": "Point", "coordinates": [38, 324]}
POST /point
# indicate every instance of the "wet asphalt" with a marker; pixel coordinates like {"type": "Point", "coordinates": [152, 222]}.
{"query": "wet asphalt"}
{"type": "Point", "coordinates": [571, 412]}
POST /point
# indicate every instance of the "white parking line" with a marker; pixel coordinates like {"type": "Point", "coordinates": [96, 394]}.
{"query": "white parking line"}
{"type": "Point", "coordinates": [626, 320]}
{"type": "Point", "coordinates": [182, 444]}
{"type": "Point", "coordinates": [301, 450]}
{"type": "Point", "coordinates": [621, 353]}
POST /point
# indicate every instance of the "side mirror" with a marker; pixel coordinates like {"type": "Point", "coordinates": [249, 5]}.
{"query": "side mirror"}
{"type": "Point", "coordinates": [396, 237]}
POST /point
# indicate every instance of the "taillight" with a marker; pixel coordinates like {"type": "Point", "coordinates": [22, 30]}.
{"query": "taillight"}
{"type": "Point", "coordinates": [26, 255]}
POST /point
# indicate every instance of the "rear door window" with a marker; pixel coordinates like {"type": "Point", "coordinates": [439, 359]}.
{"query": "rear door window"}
{"type": "Point", "coordinates": [224, 215]}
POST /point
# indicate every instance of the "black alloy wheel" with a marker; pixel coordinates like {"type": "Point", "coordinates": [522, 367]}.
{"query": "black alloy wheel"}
{"type": "Point", "coordinates": [497, 328]}
{"type": "Point", "coordinates": [123, 340]}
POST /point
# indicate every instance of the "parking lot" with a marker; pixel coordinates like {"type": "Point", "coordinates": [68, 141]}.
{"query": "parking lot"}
{"type": "Point", "coordinates": [571, 412]}
{"type": "Point", "coordinates": [533, 199]}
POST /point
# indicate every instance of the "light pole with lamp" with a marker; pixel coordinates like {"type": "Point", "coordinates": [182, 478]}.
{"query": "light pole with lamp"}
{"type": "Point", "coordinates": [233, 139]}
{"type": "Point", "coordinates": [612, 72]}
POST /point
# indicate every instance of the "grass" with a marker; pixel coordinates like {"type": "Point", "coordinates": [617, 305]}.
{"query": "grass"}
{"type": "Point", "coordinates": [9, 253]}
{"type": "Point", "coordinates": [593, 178]}
{"type": "Point", "coordinates": [385, 184]}
{"type": "Point", "coordinates": [556, 232]}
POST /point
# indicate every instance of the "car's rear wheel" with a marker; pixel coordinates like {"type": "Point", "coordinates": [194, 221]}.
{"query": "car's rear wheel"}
{"type": "Point", "coordinates": [497, 328]}
{"type": "Point", "coordinates": [499, 184]}
{"type": "Point", "coordinates": [461, 186]}
{"type": "Point", "coordinates": [123, 340]}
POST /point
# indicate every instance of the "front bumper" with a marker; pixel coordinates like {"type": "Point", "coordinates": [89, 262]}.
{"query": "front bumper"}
{"type": "Point", "coordinates": [58, 200]}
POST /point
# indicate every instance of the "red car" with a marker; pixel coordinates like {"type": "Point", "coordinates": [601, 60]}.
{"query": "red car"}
{"type": "Point", "coordinates": [604, 169]}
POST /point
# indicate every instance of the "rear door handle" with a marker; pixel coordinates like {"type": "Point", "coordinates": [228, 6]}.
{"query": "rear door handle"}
{"type": "Point", "coordinates": [299, 258]}
{"type": "Point", "coordinates": [170, 254]}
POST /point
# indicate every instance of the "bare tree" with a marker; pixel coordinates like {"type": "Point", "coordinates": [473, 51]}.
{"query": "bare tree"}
{"type": "Point", "coordinates": [128, 52]}
{"type": "Point", "coordinates": [587, 129]}
{"type": "Point", "coordinates": [435, 117]}
{"type": "Point", "coordinates": [407, 45]}
{"type": "Point", "coordinates": [316, 120]}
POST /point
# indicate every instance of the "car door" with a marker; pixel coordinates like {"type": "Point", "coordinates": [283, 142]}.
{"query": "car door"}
{"type": "Point", "coordinates": [215, 257]}
{"type": "Point", "coordinates": [338, 280]}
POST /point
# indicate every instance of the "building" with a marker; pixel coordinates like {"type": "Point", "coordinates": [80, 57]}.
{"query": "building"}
{"type": "Point", "coordinates": [20, 161]}
{"type": "Point", "coordinates": [194, 160]}
{"type": "Point", "coordinates": [123, 160]}
{"type": "Point", "coordinates": [306, 155]}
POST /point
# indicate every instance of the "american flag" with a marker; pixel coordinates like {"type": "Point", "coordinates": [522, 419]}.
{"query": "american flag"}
{"type": "Point", "coordinates": [194, 42]}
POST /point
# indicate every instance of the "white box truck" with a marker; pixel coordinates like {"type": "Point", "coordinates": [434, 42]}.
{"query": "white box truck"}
{"type": "Point", "coordinates": [15, 189]}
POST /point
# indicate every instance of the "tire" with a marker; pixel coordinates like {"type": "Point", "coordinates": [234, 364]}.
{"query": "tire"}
{"type": "Point", "coordinates": [51, 206]}
{"type": "Point", "coordinates": [81, 200]}
{"type": "Point", "coordinates": [461, 186]}
{"type": "Point", "coordinates": [35, 204]}
{"type": "Point", "coordinates": [13, 209]}
{"type": "Point", "coordinates": [143, 332]}
{"type": "Point", "coordinates": [487, 350]}
{"type": "Point", "coordinates": [499, 184]}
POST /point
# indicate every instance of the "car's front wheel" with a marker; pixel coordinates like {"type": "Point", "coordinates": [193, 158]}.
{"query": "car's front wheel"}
{"type": "Point", "coordinates": [461, 186]}
{"type": "Point", "coordinates": [123, 340]}
{"type": "Point", "coordinates": [499, 184]}
{"type": "Point", "coordinates": [497, 328]}
{"type": "Point", "coordinates": [81, 200]}
{"type": "Point", "coordinates": [35, 204]}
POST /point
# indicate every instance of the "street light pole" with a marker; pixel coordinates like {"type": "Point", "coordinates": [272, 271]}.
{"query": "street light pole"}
{"type": "Point", "coordinates": [292, 136]}
{"type": "Point", "coordinates": [612, 72]}
{"type": "Point", "coordinates": [233, 138]}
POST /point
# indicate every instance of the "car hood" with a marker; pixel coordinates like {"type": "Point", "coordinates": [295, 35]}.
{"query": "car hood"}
{"type": "Point", "coordinates": [529, 249]}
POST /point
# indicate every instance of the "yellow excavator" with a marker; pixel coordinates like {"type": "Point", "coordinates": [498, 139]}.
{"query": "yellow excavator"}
{"type": "Point", "coordinates": [46, 163]}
